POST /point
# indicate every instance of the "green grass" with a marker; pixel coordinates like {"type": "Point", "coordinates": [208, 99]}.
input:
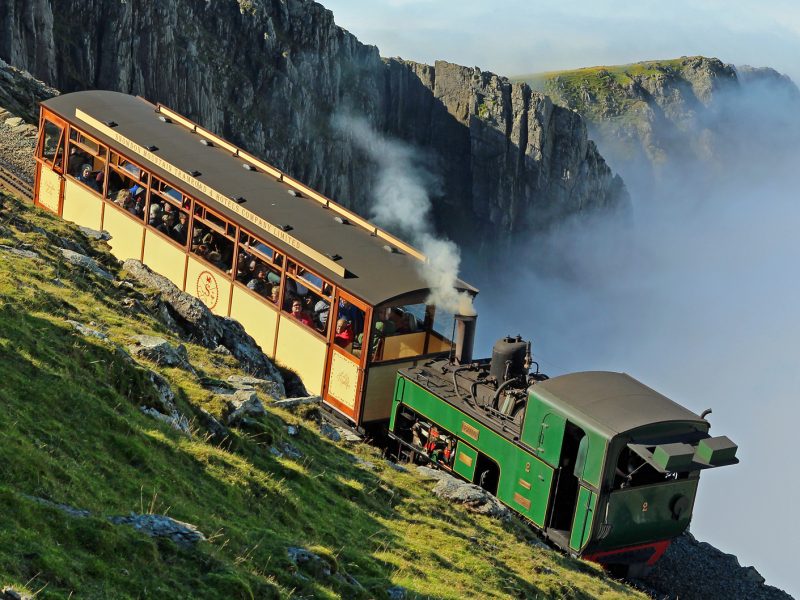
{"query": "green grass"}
{"type": "Point", "coordinates": [72, 433]}
{"type": "Point", "coordinates": [599, 93]}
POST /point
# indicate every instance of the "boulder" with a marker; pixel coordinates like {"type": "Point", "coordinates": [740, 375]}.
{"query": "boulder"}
{"type": "Point", "coordinates": [473, 497]}
{"type": "Point", "coordinates": [160, 351]}
{"type": "Point", "coordinates": [19, 252]}
{"type": "Point", "coordinates": [329, 432]}
{"type": "Point", "coordinates": [241, 404]}
{"type": "Point", "coordinates": [164, 399]}
{"type": "Point", "coordinates": [218, 432]}
{"type": "Point", "coordinates": [309, 561]}
{"type": "Point", "coordinates": [290, 403]}
{"type": "Point", "coordinates": [183, 534]}
{"type": "Point", "coordinates": [93, 234]}
{"type": "Point", "coordinates": [175, 420]}
{"type": "Point", "coordinates": [287, 449]}
{"type": "Point", "coordinates": [429, 473]}
{"type": "Point", "coordinates": [397, 592]}
{"type": "Point", "coordinates": [248, 382]}
{"type": "Point", "coordinates": [87, 331]}
{"type": "Point", "coordinates": [8, 593]}
{"type": "Point", "coordinates": [85, 262]}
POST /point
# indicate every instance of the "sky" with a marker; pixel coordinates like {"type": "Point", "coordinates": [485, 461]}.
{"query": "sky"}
{"type": "Point", "coordinates": [513, 37]}
{"type": "Point", "coordinates": [698, 299]}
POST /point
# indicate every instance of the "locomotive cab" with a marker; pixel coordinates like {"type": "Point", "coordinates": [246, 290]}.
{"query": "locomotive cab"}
{"type": "Point", "coordinates": [627, 462]}
{"type": "Point", "coordinates": [602, 465]}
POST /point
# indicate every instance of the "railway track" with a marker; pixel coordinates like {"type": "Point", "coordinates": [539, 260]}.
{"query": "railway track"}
{"type": "Point", "coordinates": [14, 184]}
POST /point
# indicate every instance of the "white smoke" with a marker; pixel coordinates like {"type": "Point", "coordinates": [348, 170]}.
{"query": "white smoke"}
{"type": "Point", "coordinates": [402, 203]}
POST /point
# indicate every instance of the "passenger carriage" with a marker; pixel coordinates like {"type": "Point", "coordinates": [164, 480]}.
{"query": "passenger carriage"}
{"type": "Point", "coordinates": [114, 162]}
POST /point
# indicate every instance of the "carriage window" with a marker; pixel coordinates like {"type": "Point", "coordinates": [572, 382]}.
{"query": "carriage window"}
{"type": "Point", "coordinates": [87, 160]}
{"type": "Point", "coordinates": [210, 240]}
{"type": "Point", "coordinates": [349, 328]}
{"type": "Point", "coordinates": [444, 323]}
{"type": "Point", "coordinates": [304, 301]}
{"type": "Point", "coordinates": [168, 214]}
{"type": "Point", "coordinates": [52, 148]}
{"type": "Point", "coordinates": [398, 332]}
{"type": "Point", "coordinates": [257, 267]}
{"type": "Point", "coordinates": [127, 185]}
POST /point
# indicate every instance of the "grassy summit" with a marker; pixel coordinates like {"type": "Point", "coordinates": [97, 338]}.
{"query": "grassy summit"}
{"type": "Point", "coordinates": [73, 434]}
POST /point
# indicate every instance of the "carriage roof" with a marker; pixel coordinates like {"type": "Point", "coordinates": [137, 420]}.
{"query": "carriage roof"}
{"type": "Point", "coordinates": [348, 251]}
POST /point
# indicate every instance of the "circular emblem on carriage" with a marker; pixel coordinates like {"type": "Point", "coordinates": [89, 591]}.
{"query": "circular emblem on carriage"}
{"type": "Point", "coordinates": [207, 289]}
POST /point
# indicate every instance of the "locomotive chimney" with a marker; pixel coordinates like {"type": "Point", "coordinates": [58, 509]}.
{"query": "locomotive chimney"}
{"type": "Point", "coordinates": [465, 337]}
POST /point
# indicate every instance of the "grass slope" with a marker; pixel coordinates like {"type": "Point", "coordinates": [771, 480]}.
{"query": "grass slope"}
{"type": "Point", "coordinates": [601, 93]}
{"type": "Point", "coordinates": [72, 433]}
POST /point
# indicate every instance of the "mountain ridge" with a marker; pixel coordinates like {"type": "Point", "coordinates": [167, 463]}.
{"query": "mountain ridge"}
{"type": "Point", "coordinates": [270, 75]}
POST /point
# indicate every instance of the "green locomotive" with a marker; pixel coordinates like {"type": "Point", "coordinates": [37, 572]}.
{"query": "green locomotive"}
{"type": "Point", "coordinates": [605, 467]}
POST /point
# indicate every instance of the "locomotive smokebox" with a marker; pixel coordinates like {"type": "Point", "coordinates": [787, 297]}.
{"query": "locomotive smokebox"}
{"type": "Point", "coordinates": [465, 337]}
{"type": "Point", "coordinates": [508, 359]}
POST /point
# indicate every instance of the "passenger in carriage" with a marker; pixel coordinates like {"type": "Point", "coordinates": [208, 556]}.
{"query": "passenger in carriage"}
{"type": "Point", "coordinates": [344, 333]}
{"type": "Point", "coordinates": [181, 231]}
{"type": "Point", "coordinates": [123, 199]}
{"type": "Point", "coordinates": [258, 283]}
{"type": "Point", "coordinates": [77, 160]}
{"type": "Point", "coordinates": [298, 314]}
{"type": "Point", "coordinates": [275, 294]}
{"type": "Point", "coordinates": [88, 177]}
{"type": "Point", "coordinates": [167, 223]}
{"type": "Point", "coordinates": [137, 207]}
{"type": "Point", "coordinates": [154, 214]}
{"type": "Point", "coordinates": [321, 311]}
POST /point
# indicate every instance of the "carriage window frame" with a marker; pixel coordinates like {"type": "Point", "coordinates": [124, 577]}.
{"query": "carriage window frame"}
{"type": "Point", "coordinates": [56, 162]}
{"type": "Point", "coordinates": [274, 261]}
{"type": "Point", "coordinates": [101, 153]}
{"type": "Point", "coordinates": [325, 293]}
{"type": "Point", "coordinates": [199, 215]}
{"type": "Point", "coordinates": [180, 207]}
{"type": "Point", "coordinates": [117, 164]}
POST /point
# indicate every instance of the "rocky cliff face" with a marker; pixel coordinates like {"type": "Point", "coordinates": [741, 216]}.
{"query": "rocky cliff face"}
{"type": "Point", "coordinates": [660, 119]}
{"type": "Point", "coordinates": [269, 74]}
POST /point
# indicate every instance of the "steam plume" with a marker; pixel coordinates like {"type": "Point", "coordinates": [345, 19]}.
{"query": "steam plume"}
{"type": "Point", "coordinates": [402, 203]}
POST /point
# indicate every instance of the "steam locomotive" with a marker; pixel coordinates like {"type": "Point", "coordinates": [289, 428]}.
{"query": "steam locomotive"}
{"type": "Point", "coordinates": [602, 465]}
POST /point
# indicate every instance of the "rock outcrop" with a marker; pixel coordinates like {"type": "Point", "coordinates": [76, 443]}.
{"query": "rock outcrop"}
{"type": "Point", "coordinates": [20, 92]}
{"type": "Point", "coordinates": [697, 570]}
{"type": "Point", "coordinates": [197, 323]}
{"type": "Point", "coordinates": [692, 116]}
{"type": "Point", "coordinates": [270, 74]}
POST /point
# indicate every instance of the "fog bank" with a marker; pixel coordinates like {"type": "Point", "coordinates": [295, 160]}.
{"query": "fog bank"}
{"type": "Point", "coordinates": [697, 295]}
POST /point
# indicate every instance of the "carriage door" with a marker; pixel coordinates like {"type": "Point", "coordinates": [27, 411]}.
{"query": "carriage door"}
{"type": "Point", "coordinates": [50, 164]}
{"type": "Point", "coordinates": [349, 335]}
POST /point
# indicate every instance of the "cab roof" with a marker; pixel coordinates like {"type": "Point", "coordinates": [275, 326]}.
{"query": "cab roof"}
{"type": "Point", "coordinates": [614, 402]}
{"type": "Point", "coordinates": [349, 252]}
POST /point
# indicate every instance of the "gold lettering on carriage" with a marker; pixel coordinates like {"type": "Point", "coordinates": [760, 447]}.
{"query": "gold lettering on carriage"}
{"type": "Point", "coordinates": [211, 193]}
